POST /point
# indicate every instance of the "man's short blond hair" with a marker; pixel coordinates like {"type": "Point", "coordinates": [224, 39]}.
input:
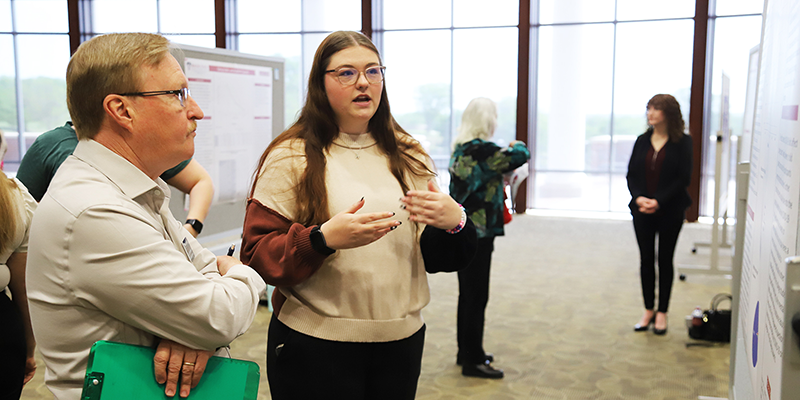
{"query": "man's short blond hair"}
{"type": "Point", "coordinates": [106, 65]}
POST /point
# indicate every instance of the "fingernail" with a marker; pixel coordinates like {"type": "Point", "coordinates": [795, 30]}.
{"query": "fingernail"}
{"type": "Point", "coordinates": [403, 206]}
{"type": "Point", "coordinates": [170, 392]}
{"type": "Point", "coordinates": [399, 222]}
{"type": "Point", "coordinates": [393, 213]}
{"type": "Point", "coordinates": [393, 228]}
{"type": "Point", "coordinates": [362, 198]}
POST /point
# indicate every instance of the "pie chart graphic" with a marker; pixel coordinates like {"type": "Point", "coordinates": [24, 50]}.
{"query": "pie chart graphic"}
{"type": "Point", "coordinates": [755, 336]}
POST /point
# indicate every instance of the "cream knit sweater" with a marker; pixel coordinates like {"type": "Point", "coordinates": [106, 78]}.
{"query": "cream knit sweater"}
{"type": "Point", "coordinates": [372, 293]}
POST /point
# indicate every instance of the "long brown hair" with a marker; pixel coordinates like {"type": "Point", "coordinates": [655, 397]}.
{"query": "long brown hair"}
{"type": "Point", "coordinates": [672, 114]}
{"type": "Point", "coordinates": [317, 127]}
{"type": "Point", "coordinates": [8, 211]}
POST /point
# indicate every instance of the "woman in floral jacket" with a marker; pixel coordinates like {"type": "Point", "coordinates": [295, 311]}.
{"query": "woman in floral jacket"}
{"type": "Point", "coordinates": [476, 181]}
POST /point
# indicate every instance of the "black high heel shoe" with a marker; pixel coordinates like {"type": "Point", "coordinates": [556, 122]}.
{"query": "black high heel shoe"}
{"type": "Point", "coordinates": [659, 331]}
{"type": "Point", "coordinates": [642, 328]}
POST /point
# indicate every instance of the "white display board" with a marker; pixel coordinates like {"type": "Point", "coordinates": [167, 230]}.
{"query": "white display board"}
{"type": "Point", "coordinates": [237, 126]}
{"type": "Point", "coordinates": [241, 96]}
{"type": "Point", "coordinates": [749, 106]}
{"type": "Point", "coordinates": [771, 231]}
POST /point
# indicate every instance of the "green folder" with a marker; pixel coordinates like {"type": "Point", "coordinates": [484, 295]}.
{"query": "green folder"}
{"type": "Point", "coordinates": [119, 371]}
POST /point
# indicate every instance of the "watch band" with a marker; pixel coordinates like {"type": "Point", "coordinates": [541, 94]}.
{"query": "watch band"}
{"type": "Point", "coordinates": [195, 224]}
{"type": "Point", "coordinates": [318, 242]}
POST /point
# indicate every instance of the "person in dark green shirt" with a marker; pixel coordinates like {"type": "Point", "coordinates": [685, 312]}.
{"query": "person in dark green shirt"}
{"type": "Point", "coordinates": [51, 148]}
{"type": "Point", "coordinates": [476, 181]}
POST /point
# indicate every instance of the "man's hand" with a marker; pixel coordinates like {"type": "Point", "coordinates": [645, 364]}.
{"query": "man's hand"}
{"type": "Point", "coordinates": [225, 263]}
{"type": "Point", "coordinates": [30, 369]}
{"type": "Point", "coordinates": [173, 359]}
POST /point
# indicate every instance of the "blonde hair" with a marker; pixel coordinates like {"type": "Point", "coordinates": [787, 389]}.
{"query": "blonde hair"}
{"type": "Point", "coordinates": [106, 65]}
{"type": "Point", "coordinates": [478, 121]}
{"type": "Point", "coordinates": [8, 210]}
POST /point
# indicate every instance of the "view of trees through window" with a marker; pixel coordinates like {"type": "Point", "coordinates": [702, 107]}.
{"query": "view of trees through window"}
{"type": "Point", "coordinates": [595, 63]}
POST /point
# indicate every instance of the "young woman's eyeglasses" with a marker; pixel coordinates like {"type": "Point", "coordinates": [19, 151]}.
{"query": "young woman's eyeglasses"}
{"type": "Point", "coordinates": [182, 94]}
{"type": "Point", "coordinates": [349, 76]}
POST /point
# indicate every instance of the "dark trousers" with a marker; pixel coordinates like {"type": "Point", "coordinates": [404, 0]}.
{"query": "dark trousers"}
{"type": "Point", "coordinates": [667, 226]}
{"type": "Point", "coordinates": [307, 368]}
{"type": "Point", "coordinates": [12, 339]}
{"type": "Point", "coordinates": [473, 294]}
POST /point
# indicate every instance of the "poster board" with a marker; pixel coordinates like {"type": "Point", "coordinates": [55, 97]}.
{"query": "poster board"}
{"type": "Point", "coordinates": [771, 232]}
{"type": "Point", "coordinates": [241, 96]}
{"type": "Point", "coordinates": [749, 106]}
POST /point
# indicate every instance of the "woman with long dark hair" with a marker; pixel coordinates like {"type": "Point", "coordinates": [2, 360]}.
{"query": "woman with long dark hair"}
{"type": "Point", "coordinates": [659, 172]}
{"type": "Point", "coordinates": [344, 219]}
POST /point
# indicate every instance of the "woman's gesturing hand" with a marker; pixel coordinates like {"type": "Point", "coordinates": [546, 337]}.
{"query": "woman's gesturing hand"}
{"type": "Point", "coordinates": [432, 207]}
{"type": "Point", "coordinates": [347, 230]}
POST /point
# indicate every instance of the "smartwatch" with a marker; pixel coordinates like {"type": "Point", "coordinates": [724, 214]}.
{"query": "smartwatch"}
{"type": "Point", "coordinates": [318, 242]}
{"type": "Point", "coordinates": [195, 224]}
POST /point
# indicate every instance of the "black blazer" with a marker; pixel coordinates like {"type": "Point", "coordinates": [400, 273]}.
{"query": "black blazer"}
{"type": "Point", "coordinates": [673, 182]}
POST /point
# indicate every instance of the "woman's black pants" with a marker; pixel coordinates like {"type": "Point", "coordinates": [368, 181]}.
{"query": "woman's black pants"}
{"type": "Point", "coordinates": [12, 337]}
{"type": "Point", "coordinates": [666, 226]}
{"type": "Point", "coordinates": [303, 367]}
{"type": "Point", "coordinates": [473, 295]}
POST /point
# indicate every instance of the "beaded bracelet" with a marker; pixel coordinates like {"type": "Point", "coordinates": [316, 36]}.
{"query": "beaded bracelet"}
{"type": "Point", "coordinates": [461, 223]}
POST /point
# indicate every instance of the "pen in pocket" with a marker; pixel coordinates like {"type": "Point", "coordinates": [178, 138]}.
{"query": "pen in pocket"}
{"type": "Point", "coordinates": [231, 249]}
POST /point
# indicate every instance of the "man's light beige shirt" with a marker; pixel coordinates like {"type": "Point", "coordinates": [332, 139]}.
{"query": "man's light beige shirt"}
{"type": "Point", "coordinates": [108, 261]}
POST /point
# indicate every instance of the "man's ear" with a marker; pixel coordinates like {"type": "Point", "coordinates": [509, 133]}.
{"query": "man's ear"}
{"type": "Point", "coordinates": [118, 109]}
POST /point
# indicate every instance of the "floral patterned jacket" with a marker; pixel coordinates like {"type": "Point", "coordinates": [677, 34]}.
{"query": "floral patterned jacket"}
{"type": "Point", "coordinates": [476, 181]}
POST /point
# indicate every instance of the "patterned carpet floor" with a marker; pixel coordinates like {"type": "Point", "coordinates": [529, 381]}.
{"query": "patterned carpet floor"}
{"type": "Point", "coordinates": [565, 295]}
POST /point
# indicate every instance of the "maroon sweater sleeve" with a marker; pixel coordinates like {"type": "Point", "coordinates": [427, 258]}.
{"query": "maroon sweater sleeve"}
{"type": "Point", "coordinates": [278, 249]}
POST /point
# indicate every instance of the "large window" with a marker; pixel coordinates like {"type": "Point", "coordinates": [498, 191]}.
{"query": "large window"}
{"type": "Point", "coordinates": [181, 21]}
{"type": "Point", "coordinates": [292, 30]}
{"type": "Point", "coordinates": [34, 51]}
{"type": "Point", "coordinates": [595, 76]}
{"type": "Point", "coordinates": [732, 37]}
{"type": "Point", "coordinates": [593, 66]}
{"type": "Point", "coordinates": [439, 60]}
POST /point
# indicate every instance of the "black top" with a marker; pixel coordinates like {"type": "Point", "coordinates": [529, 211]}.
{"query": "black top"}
{"type": "Point", "coordinates": [673, 180]}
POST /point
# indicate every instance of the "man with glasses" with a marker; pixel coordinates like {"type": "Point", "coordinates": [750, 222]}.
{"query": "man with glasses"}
{"type": "Point", "coordinates": [107, 259]}
{"type": "Point", "coordinates": [50, 149]}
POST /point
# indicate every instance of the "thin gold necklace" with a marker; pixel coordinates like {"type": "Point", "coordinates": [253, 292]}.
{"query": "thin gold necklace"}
{"type": "Point", "coordinates": [354, 144]}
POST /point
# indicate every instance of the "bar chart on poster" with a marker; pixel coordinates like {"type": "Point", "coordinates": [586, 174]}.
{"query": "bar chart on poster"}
{"type": "Point", "coordinates": [769, 363]}
{"type": "Point", "coordinates": [241, 96]}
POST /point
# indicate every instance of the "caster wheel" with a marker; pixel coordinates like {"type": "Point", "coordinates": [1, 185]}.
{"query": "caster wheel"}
{"type": "Point", "coordinates": [694, 250]}
{"type": "Point", "coordinates": [682, 277]}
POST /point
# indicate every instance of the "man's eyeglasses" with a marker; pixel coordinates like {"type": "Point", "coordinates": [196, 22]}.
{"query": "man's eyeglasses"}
{"type": "Point", "coordinates": [182, 94]}
{"type": "Point", "coordinates": [349, 76]}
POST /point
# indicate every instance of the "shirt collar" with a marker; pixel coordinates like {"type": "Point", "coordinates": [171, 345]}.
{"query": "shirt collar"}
{"type": "Point", "coordinates": [130, 179]}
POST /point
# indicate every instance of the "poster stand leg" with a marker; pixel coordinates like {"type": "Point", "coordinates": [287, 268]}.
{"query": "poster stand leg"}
{"type": "Point", "coordinates": [718, 239]}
